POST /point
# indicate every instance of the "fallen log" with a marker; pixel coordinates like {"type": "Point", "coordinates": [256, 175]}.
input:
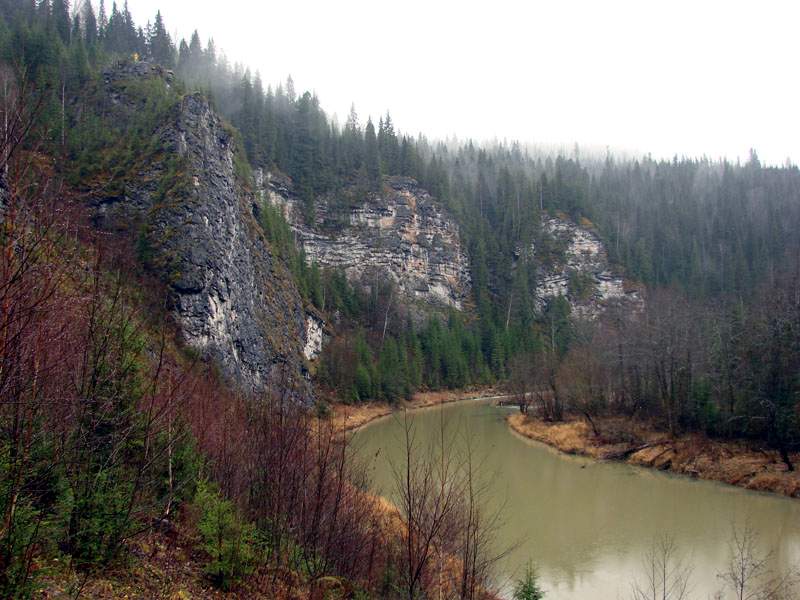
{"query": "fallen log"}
{"type": "Point", "coordinates": [624, 454]}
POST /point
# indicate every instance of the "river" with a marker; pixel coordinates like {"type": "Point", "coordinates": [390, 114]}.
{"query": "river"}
{"type": "Point", "coordinates": [587, 525]}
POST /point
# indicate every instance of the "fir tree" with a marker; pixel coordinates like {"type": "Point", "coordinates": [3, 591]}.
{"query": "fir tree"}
{"type": "Point", "coordinates": [388, 147]}
{"type": "Point", "coordinates": [89, 25]}
{"type": "Point", "coordinates": [161, 47]}
{"type": "Point", "coordinates": [352, 141]}
{"type": "Point", "coordinates": [102, 20]}
{"type": "Point", "coordinates": [60, 14]}
{"type": "Point", "coordinates": [371, 157]}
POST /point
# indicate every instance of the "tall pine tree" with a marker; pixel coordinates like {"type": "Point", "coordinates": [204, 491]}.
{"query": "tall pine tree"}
{"type": "Point", "coordinates": [371, 157]}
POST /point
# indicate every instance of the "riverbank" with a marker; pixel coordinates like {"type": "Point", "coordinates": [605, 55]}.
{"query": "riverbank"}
{"type": "Point", "coordinates": [350, 417]}
{"type": "Point", "coordinates": [695, 455]}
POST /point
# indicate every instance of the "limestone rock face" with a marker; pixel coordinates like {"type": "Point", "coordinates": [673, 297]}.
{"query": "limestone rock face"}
{"type": "Point", "coordinates": [401, 233]}
{"type": "Point", "coordinates": [232, 300]}
{"type": "Point", "coordinates": [314, 337]}
{"type": "Point", "coordinates": [584, 275]}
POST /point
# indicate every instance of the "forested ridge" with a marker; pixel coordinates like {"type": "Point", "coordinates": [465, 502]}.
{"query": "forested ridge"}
{"type": "Point", "coordinates": [715, 244]}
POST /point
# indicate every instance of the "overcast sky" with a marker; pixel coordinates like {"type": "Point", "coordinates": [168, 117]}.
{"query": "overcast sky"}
{"type": "Point", "coordinates": [696, 77]}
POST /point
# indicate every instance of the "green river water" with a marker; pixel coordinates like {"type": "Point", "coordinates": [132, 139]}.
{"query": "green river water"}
{"type": "Point", "coordinates": [587, 525]}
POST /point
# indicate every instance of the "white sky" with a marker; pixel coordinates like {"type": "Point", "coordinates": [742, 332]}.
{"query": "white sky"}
{"type": "Point", "coordinates": [701, 77]}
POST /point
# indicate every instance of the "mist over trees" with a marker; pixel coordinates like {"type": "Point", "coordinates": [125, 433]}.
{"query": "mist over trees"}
{"type": "Point", "coordinates": [104, 431]}
{"type": "Point", "coordinates": [714, 242]}
{"type": "Point", "coordinates": [716, 234]}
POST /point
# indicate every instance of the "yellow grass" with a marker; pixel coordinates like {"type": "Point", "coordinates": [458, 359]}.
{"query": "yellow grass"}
{"type": "Point", "coordinates": [731, 462]}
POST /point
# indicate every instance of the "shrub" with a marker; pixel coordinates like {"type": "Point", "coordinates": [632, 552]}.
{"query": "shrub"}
{"type": "Point", "coordinates": [228, 539]}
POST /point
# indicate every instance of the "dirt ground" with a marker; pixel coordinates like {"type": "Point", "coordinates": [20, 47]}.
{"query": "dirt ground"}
{"type": "Point", "coordinates": [732, 462]}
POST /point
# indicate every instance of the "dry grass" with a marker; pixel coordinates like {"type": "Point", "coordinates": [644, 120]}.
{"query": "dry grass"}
{"type": "Point", "coordinates": [571, 437]}
{"type": "Point", "coordinates": [731, 462]}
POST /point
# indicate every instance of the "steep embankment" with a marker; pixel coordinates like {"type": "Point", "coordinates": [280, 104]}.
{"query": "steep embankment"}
{"type": "Point", "coordinates": [695, 455]}
{"type": "Point", "coordinates": [188, 204]}
{"type": "Point", "coordinates": [401, 233]}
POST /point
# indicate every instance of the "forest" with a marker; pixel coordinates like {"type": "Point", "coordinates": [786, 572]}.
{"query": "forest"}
{"type": "Point", "coordinates": [107, 426]}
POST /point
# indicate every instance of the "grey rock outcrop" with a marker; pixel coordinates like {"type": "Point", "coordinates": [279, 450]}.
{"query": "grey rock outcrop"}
{"type": "Point", "coordinates": [584, 265]}
{"type": "Point", "coordinates": [232, 300]}
{"type": "Point", "coordinates": [400, 233]}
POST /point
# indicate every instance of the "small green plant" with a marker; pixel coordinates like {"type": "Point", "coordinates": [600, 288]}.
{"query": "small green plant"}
{"type": "Point", "coordinates": [528, 588]}
{"type": "Point", "coordinates": [228, 539]}
{"type": "Point", "coordinates": [18, 576]}
{"type": "Point", "coordinates": [322, 409]}
{"type": "Point", "coordinates": [581, 284]}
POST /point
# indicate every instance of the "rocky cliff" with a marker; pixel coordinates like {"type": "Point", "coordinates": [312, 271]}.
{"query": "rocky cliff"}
{"type": "Point", "coordinates": [582, 273]}
{"type": "Point", "coordinates": [232, 300]}
{"type": "Point", "coordinates": [400, 233]}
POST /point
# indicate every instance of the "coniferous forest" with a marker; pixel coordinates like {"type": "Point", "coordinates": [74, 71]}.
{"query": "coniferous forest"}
{"type": "Point", "coordinates": [109, 427]}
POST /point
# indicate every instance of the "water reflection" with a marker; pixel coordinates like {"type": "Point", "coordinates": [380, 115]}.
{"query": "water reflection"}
{"type": "Point", "coordinates": [587, 525]}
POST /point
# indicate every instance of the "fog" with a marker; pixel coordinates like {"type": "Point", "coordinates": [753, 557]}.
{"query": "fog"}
{"type": "Point", "coordinates": [693, 78]}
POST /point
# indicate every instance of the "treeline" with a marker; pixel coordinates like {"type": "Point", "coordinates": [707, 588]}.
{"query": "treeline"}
{"type": "Point", "coordinates": [711, 229]}
{"type": "Point", "coordinates": [40, 25]}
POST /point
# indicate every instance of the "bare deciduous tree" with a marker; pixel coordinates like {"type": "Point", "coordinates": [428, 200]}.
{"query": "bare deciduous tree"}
{"type": "Point", "coordinates": [428, 491]}
{"type": "Point", "coordinates": [666, 576]}
{"type": "Point", "coordinates": [749, 576]}
{"type": "Point", "coordinates": [449, 548]}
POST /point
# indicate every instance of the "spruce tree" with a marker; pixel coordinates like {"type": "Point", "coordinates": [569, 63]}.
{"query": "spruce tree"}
{"type": "Point", "coordinates": [161, 48]}
{"type": "Point", "coordinates": [61, 19]}
{"type": "Point", "coordinates": [194, 56]}
{"type": "Point", "coordinates": [183, 60]}
{"type": "Point", "coordinates": [102, 20]}
{"type": "Point", "coordinates": [388, 147]}
{"type": "Point", "coordinates": [290, 93]}
{"type": "Point", "coordinates": [352, 142]}
{"type": "Point", "coordinates": [75, 35]}
{"type": "Point", "coordinates": [371, 157]}
{"type": "Point", "coordinates": [89, 24]}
